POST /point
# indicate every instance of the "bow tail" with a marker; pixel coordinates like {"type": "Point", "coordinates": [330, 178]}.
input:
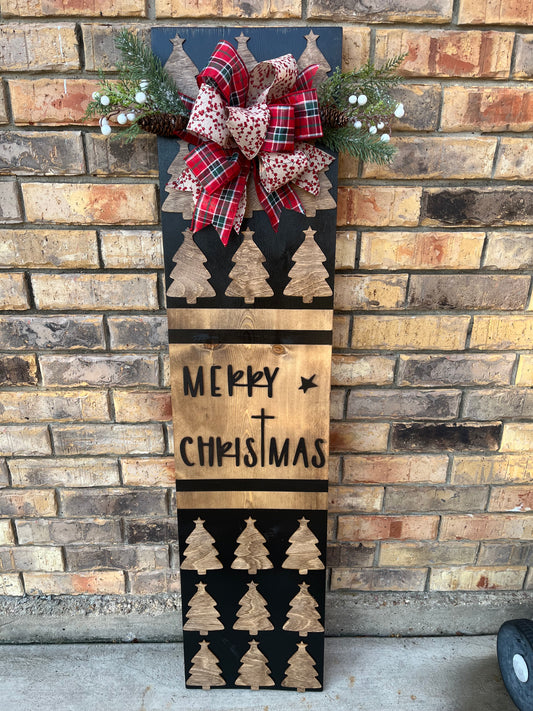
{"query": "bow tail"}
{"type": "Point", "coordinates": [223, 208]}
{"type": "Point", "coordinates": [272, 203]}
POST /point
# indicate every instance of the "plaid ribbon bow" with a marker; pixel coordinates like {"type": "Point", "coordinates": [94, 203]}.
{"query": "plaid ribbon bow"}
{"type": "Point", "coordinates": [251, 125]}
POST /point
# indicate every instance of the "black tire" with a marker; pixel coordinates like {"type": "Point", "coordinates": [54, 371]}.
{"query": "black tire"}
{"type": "Point", "coordinates": [515, 657]}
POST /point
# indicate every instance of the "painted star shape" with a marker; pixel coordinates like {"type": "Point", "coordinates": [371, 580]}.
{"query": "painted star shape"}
{"type": "Point", "coordinates": [307, 383]}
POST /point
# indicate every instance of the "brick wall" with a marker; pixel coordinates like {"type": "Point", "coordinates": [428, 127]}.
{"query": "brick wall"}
{"type": "Point", "coordinates": [432, 408]}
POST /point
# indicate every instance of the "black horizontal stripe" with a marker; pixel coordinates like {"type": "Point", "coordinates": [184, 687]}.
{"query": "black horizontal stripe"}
{"type": "Point", "coordinates": [309, 485]}
{"type": "Point", "coordinates": [216, 335]}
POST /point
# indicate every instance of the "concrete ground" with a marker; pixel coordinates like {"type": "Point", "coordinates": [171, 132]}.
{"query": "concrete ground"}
{"type": "Point", "coordinates": [362, 674]}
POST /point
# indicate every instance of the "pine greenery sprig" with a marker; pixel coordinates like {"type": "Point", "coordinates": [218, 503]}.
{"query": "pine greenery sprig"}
{"type": "Point", "coordinates": [359, 144]}
{"type": "Point", "coordinates": [362, 96]}
{"type": "Point", "coordinates": [144, 88]}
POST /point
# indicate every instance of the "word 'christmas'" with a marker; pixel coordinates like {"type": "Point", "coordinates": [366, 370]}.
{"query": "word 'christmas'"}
{"type": "Point", "coordinates": [212, 451]}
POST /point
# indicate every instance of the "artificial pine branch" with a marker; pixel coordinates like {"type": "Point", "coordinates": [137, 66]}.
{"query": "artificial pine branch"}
{"type": "Point", "coordinates": [144, 89]}
{"type": "Point", "coordinates": [139, 63]}
{"type": "Point", "coordinates": [358, 144]}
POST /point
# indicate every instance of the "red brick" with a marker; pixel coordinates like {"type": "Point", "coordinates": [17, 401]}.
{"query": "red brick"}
{"type": "Point", "coordinates": [64, 472]}
{"type": "Point", "coordinates": [474, 578]}
{"type": "Point", "coordinates": [108, 439]}
{"type": "Point", "coordinates": [142, 406]}
{"type": "Point", "coordinates": [95, 292]}
{"type": "Point", "coordinates": [445, 53]}
{"type": "Point", "coordinates": [13, 292]}
{"type": "Point", "coordinates": [131, 249]}
{"type": "Point", "coordinates": [29, 502]}
{"type": "Point", "coordinates": [495, 12]}
{"type": "Point", "coordinates": [370, 528]}
{"type": "Point", "coordinates": [390, 468]}
{"type": "Point", "coordinates": [38, 47]}
{"type": "Point", "coordinates": [379, 579]}
{"type": "Point", "coordinates": [378, 206]}
{"type": "Point", "coordinates": [523, 66]}
{"type": "Point", "coordinates": [495, 469]}
{"type": "Point", "coordinates": [48, 248]}
{"type": "Point", "coordinates": [24, 440]}
{"type": "Point", "coordinates": [228, 8]}
{"type": "Point", "coordinates": [362, 370]}
{"type": "Point", "coordinates": [99, 370]}
{"type": "Point", "coordinates": [151, 582]}
{"type": "Point", "coordinates": [105, 582]}
{"type": "Point", "coordinates": [56, 405]}
{"type": "Point", "coordinates": [10, 211]}
{"type": "Point", "coordinates": [367, 292]}
{"type": "Point", "coordinates": [511, 498]}
{"type": "Point", "coordinates": [421, 250]}
{"type": "Point", "coordinates": [479, 527]}
{"type": "Point", "coordinates": [437, 157]}
{"type": "Point", "coordinates": [358, 437]}
{"type": "Point", "coordinates": [91, 8]}
{"type": "Point", "coordinates": [438, 11]}
{"type": "Point", "coordinates": [355, 498]}
{"type": "Point", "coordinates": [50, 102]}
{"type": "Point", "coordinates": [90, 203]}
{"type": "Point", "coordinates": [477, 108]}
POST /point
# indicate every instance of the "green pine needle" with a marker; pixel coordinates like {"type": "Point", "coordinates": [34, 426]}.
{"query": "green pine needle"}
{"type": "Point", "coordinates": [358, 144]}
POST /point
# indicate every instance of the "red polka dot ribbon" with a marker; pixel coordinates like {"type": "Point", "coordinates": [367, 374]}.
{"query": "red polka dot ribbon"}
{"type": "Point", "coordinates": [251, 126]}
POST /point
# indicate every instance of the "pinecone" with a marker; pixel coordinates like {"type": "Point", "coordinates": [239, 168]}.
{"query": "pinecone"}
{"type": "Point", "coordinates": [331, 117]}
{"type": "Point", "coordinates": [162, 124]}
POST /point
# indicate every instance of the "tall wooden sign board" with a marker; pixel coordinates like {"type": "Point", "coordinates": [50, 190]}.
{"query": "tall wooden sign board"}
{"type": "Point", "coordinates": [250, 351]}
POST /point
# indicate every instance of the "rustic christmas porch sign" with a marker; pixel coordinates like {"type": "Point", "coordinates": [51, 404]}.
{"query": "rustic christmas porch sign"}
{"type": "Point", "coordinates": [250, 296]}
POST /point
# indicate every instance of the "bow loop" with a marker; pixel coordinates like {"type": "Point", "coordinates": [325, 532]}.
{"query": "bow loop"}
{"type": "Point", "coordinates": [272, 79]}
{"type": "Point", "coordinates": [251, 124]}
{"type": "Point", "coordinates": [249, 127]}
{"type": "Point", "coordinates": [228, 73]}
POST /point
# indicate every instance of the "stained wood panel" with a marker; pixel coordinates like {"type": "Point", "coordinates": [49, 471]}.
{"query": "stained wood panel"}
{"type": "Point", "coordinates": [250, 352]}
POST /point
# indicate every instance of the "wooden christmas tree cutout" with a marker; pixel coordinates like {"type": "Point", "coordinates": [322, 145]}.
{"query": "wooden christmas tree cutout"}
{"type": "Point", "coordinates": [244, 53]}
{"type": "Point", "coordinates": [200, 554]}
{"type": "Point", "coordinates": [301, 673]}
{"type": "Point", "coordinates": [189, 275]}
{"type": "Point", "coordinates": [312, 55]}
{"type": "Point", "coordinates": [248, 276]}
{"type": "Point", "coordinates": [178, 200]}
{"type": "Point", "coordinates": [323, 201]}
{"type": "Point", "coordinates": [202, 616]}
{"type": "Point", "coordinates": [254, 671]}
{"type": "Point", "coordinates": [303, 554]}
{"type": "Point", "coordinates": [303, 616]}
{"type": "Point", "coordinates": [205, 671]}
{"type": "Point", "coordinates": [251, 554]}
{"type": "Point", "coordinates": [182, 69]}
{"type": "Point", "coordinates": [252, 614]}
{"type": "Point", "coordinates": [308, 275]}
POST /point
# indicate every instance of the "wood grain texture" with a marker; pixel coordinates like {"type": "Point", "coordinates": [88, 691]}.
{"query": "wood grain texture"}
{"type": "Point", "coordinates": [182, 69]}
{"type": "Point", "coordinates": [252, 614]}
{"type": "Point", "coordinates": [292, 439]}
{"type": "Point", "coordinates": [190, 277]}
{"type": "Point", "coordinates": [254, 671]}
{"type": "Point", "coordinates": [252, 500]}
{"type": "Point", "coordinates": [204, 670]}
{"type": "Point", "coordinates": [251, 319]}
{"type": "Point", "coordinates": [308, 275]}
{"type": "Point", "coordinates": [303, 554]}
{"type": "Point", "coordinates": [301, 673]}
{"type": "Point", "coordinates": [202, 616]}
{"type": "Point", "coordinates": [303, 616]}
{"type": "Point", "coordinates": [248, 276]}
{"type": "Point", "coordinates": [200, 554]}
{"type": "Point", "coordinates": [313, 55]}
{"type": "Point", "coordinates": [176, 200]}
{"type": "Point", "coordinates": [251, 554]}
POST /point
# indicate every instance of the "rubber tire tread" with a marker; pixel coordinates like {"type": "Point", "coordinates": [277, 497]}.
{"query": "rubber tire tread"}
{"type": "Point", "coordinates": [516, 637]}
